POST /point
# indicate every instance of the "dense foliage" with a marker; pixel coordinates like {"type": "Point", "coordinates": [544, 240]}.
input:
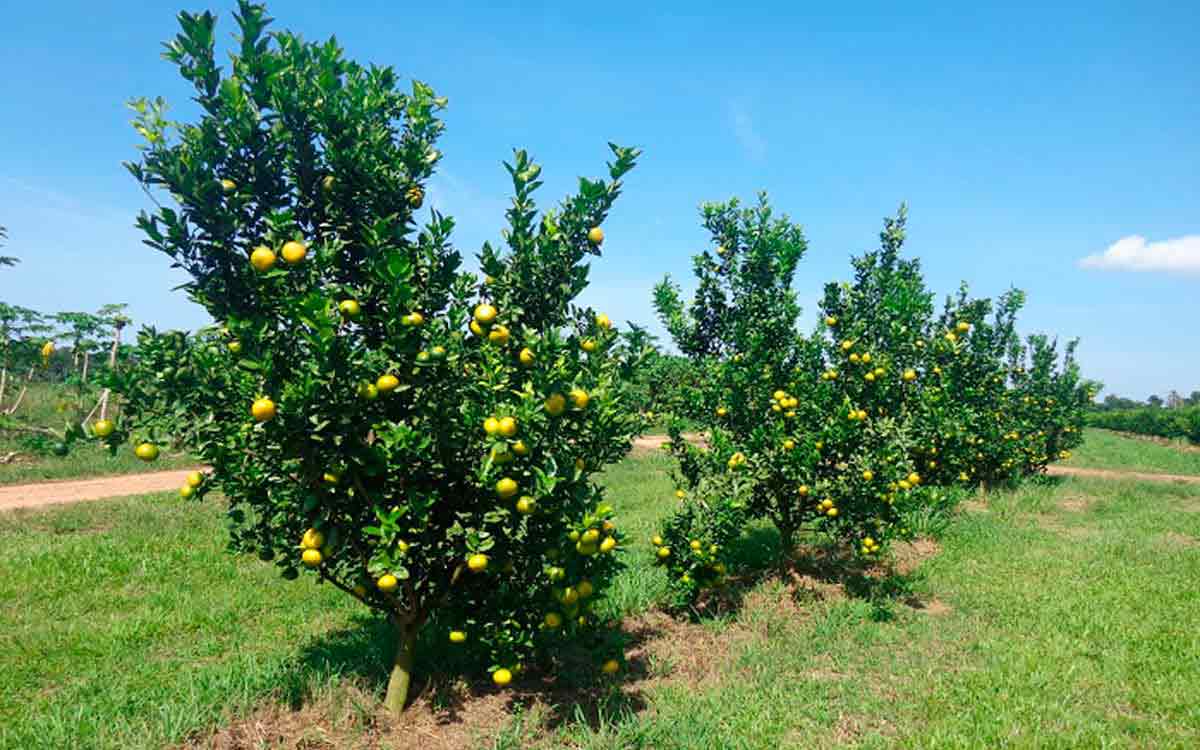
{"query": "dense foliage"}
{"type": "Point", "coordinates": [375, 415]}
{"type": "Point", "coordinates": [882, 410]}
{"type": "Point", "coordinates": [1179, 423]}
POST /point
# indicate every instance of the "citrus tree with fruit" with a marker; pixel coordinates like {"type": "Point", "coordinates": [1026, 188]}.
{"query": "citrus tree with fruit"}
{"type": "Point", "coordinates": [375, 415]}
{"type": "Point", "coordinates": [807, 443]}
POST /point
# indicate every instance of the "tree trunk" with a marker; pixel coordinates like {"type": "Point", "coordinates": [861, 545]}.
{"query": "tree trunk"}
{"type": "Point", "coordinates": [112, 367]}
{"type": "Point", "coordinates": [3, 385]}
{"type": "Point", "coordinates": [87, 358]}
{"type": "Point", "coordinates": [402, 666]}
{"type": "Point", "coordinates": [787, 539]}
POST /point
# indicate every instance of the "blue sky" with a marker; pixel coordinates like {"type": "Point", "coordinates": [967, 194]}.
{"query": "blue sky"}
{"type": "Point", "coordinates": [1026, 139]}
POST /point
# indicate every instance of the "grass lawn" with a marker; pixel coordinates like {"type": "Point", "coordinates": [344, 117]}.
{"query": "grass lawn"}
{"type": "Point", "coordinates": [1060, 615]}
{"type": "Point", "coordinates": [1103, 449]}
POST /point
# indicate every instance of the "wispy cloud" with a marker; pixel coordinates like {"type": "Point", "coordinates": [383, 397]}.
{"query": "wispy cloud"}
{"type": "Point", "coordinates": [752, 143]}
{"type": "Point", "coordinates": [1133, 253]}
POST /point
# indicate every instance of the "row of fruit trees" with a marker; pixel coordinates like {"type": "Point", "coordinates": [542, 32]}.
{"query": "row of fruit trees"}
{"type": "Point", "coordinates": [427, 439]}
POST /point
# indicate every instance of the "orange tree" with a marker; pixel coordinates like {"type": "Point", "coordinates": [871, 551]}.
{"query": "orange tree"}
{"type": "Point", "coordinates": [373, 414]}
{"type": "Point", "coordinates": [801, 439]}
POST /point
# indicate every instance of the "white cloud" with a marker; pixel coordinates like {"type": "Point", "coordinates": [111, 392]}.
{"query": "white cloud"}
{"type": "Point", "coordinates": [754, 144]}
{"type": "Point", "coordinates": [1133, 253]}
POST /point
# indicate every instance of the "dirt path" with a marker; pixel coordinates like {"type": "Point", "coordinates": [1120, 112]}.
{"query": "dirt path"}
{"type": "Point", "coordinates": [75, 490]}
{"type": "Point", "coordinates": [1075, 471]}
{"type": "Point", "coordinates": [55, 493]}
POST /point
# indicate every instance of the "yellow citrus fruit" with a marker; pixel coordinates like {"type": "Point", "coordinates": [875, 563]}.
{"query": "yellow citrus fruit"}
{"type": "Point", "coordinates": [502, 677]}
{"type": "Point", "coordinates": [327, 183]}
{"type": "Point", "coordinates": [187, 491]}
{"type": "Point", "coordinates": [868, 475]}
{"type": "Point", "coordinates": [595, 235]}
{"type": "Point", "coordinates": [263, 259]}
{"type": "Point", "coordinates": [603, 321]}
{"type": "Point", "coordinates": [680, 494]}
{"type": "Point", "coordinates": [553, 620]}
{"type": "Point", "coordinates": [963, 326]}
{"type": "Point", "coordinates": [695, 545]}
{"type": "Point", "coordinates": [803, 490]}
{"type": "Point", "coordinates": [498, 335]}
{"type": "Point", "coordinates": [491, 426]}
{"type": "Point", "coordinates": [555, 404]}
{"type": "Point", "coordinates": [263, 410]}
{"type": "Point", "coordinates": [722, 411]}
{"type": "Point", "coordinates": [368, 391]}
{"type": "Point", "coordinates": [527, 357]}
{"type": "Point", "coordinates": [476, 328]}
{"type": "Point", "coordinates": [235, 347]}
{"type": "Point", "coordinates": [146, 451]}
{"type": "Point", "coordinates": [387, 583]}
{"type": "Point", "coordinates": [477, 562]}
{"type": "Point", "coordinates": [579, 398]}
{"type": "Point", "coordinates": [612, 666]}
{"type": "Point", "coordinates": [103, 428]}
{"type": "Point", "coordinates": [485, 314]}
{"type": "Point", "coordinates": [789, 444]}
{"type": "Point", "coordinates": [195, 479]}
{"type": "Point", "coordinates": [520, 448]}
{"type": "Point", "coordinates": [608, 545]}
{"type": "Point", "coordinates": [415, 196]}
{"type": "Point", "coordinates": [312, 557]}
{"type": "Point", "coordinates": [293, 252]}
{"type": "Point", "coordinates": [387, 383]}
{"type": "Point", "coordinates": [910, 375]}
{"type": "Point", "coordinates": [506, 488]}
{"type": "Point", "coordinates": [656, 541]}
{"type": "Point", "coordinates": [228, 185]}
{"type": "Point", "coordinates": [663, 553]}
{"type": "Point", "coordinates": [914, 478]}
{"type": "Point", "coordinates": [508, 426]}
{"type": "Point", "coordinates": [585, 589]}
{"type": "Point", "coordinates": [457, 636]}
{"type": "Point", "coordinates": [330, 478]}
{"type": "Point", "coordinates": [526, 505]}
{"type": "Point", "coordinates": [830, 320]}
{"type": "Point", "coordinates": [312, 539]}
{"type": "Point", "coordinates": [588, 345]}
{"type": "Point", "coordinates": [350, 308]}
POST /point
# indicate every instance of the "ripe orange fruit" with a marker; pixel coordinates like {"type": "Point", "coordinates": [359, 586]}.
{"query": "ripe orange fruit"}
{"type": "Point", "coordinates": [475, 327]}
{"type": "Point", "coordinates": [103, 428]}
{"type": "Point", "coordinates": [579, 398]}
{"type": "Point", "coordinates": [608, 545]}
{"type": "Point", "coordinates": [830, 320]}
{"type": "Point", "coordinates": [195, 479]}
{"type": "Point", "coordinates": [491, 426]}
{"type": "Point", "coordinates": [527, 357]}
{"type": "Point", "coordinates": [387, 583]}
{"type": "Point", "coordinates": [868, 475]}
{"type": "Point", "coordinates": [498, 335]}
{"type": "Point", "coordinates": [526, 505]}
{"type": "Point", "coordinates": [146, 451]}
{"type": "Point", "coordinates": [293, 252]}
{"type": "Point", "coordinates": [501, 677]}
{"type": "Point", "coordinates": [312, 539]}
{"type": "Point", "coordinates": [663, 553]}
{"type": "Point", "coordinates": [312, 557]}
{"type": "Point", "coordinates": [595, 235]}
{"type": "Point", "coordinates": [588, 345]}
{"type": "Point", "coordinates": [263, 410]}
{"type": "Point", "coordinates": [910, 375]}
{"type": "Point", "coordinates": [186, 492]}
{"type": "Point", "coordinates": [603, 321]}
{"type": "Point", "coordinates": [485, 314]}
{"type": "Point", "coordinates": [477, 563]}
{"type": "Point", "coordinates": [722, 411]}
{"type": "Point", "coordinates": [508, 426]}
{"type": "Point", "coordinates": [263, 259]}
{"type": "Point", "coordinates": [789, 444]}
{"type": "Point", "coordinates": [555, 404]}
{"type": "Point", "coordinates": [506, 488]}
{"type": "Point", "coordinates": [387, 383]}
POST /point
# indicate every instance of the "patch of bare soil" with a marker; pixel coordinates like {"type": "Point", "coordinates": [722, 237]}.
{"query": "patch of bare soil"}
{"type": "Point", "coordinates": [644, 444]}
{"type": "Point", "coordinates": [661, 650]}
{"type": "Point", "coordinates": [1175, 539]}
{"type": "Point", "coordinates": [1078, 471]}
{"type": "Point", "coordinates": [1076, 503]}
{"type": "Point", "coordinates": [38, 495]}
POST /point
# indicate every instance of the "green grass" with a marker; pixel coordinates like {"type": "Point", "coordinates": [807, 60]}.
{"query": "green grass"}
{"type": "Point", "coordinates": [1109, 450]}
{"type": "Point", "coordinates": [1062, 617]}
{"type": "Point", "coordinates": [51, 406]}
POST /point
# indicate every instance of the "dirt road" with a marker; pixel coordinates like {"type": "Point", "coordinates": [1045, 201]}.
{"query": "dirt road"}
{"type": "Point", "coordinates": [54, 493]}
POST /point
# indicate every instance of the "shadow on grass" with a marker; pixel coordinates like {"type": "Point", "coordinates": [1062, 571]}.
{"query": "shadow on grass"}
{"type": "Point", "coordinates": [452, 690]}
{"type": "Point", "coordinates": [818, 569]}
